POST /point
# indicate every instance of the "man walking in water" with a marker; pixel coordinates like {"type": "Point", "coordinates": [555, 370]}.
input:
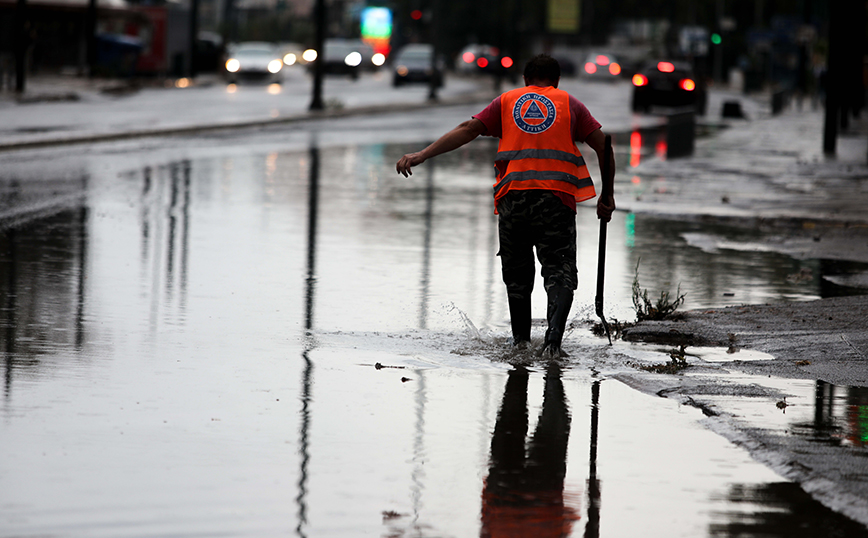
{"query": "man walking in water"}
{"type": "Point", "coordinates": [541, 175]}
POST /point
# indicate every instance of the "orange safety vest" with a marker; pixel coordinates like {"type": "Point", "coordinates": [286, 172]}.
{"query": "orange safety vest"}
{"type": "Point", "coordinates": [537, 145]}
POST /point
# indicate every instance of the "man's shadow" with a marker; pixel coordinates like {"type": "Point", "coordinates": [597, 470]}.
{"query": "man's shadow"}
{"type": "Point", "coordinates": [524, 492]}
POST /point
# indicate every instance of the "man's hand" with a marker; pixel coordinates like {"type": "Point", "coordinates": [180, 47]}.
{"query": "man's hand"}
{"type": "Point", "coordinates": [408, 161]}
{"type": "Point", "coordinates": [605, 208]}
{"type": "Point", "coordinates": [454, 139]}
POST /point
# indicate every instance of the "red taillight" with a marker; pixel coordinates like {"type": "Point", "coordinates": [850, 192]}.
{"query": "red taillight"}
{"type": "Point", "coordinates": [468, 57]}
{"type": "Point", "coordinates": [665, 67]}
{"type": "Point", "coordinates": [639, 80]}
{"type": "Point", "coordinates": [482, 62]}
{"type": "Point", "coordinates": [506, 62]}
{"type": "Point", "coordinates": [590, 68]}
{"type": "Point", "coordinates": [416, 15]}
{"type": "Point", "coordinates": [687, 84]}
{"type": "Point", "coordinates": [602, 60]}
{"type": "Point", "coordinates": [614, 69]}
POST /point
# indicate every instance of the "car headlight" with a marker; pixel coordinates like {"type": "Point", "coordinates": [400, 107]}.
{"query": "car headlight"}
{"type": "Point", "coordinates": [233, 65]}
{"type": "Point", "coordinates": [274, 66]}
{"type": "Point", "coordinates": [378, 59]}
{"type": "Point", "coordinates": [309, 55]}
{"type": "Point", "coordinates": [353, 59]}
{"type": "Point", "coordinates": [402, 70]}
{"type": "Point", "coordinates": [290, 59]}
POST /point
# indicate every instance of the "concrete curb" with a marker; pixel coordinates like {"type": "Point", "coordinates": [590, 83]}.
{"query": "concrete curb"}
{"type": "Point", "coordinates": [477, 97]}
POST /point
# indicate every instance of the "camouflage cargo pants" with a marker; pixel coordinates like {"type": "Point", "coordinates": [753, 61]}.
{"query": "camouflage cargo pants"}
{"type": "Point", "coordinates": [536, 218]}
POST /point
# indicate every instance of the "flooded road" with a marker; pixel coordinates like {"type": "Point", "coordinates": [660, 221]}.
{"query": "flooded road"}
{"type": "Point", "coordinates": [271, 333]}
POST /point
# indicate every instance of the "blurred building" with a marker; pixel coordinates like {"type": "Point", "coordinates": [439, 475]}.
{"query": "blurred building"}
{"type": "Point", "coordinates": [55, 32]}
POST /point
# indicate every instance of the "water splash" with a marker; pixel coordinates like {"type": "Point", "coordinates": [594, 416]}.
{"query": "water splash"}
{"type": "Point", "coordinates": [484, 335]}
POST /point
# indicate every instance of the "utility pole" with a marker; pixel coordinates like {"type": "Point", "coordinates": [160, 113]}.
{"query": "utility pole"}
{"type": "Point", "coordinates": [194, 34]}
{"type": "Point", "coordinates": [435, 50]}
{"type": "Point", "coordinates": [21, 41]}
{"type": "Point", "coordinates": [316, 102]}
{"type": "Point", "coordinates": [90, 36]}
{"type": "Point", "coordinates": [833, 102]}
{"type": "Point", "coordinates": [843, 85]}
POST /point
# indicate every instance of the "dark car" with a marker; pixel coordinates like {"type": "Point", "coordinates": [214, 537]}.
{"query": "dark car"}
{"type": "Point", "coordinates": [484, 59]}
{"type": "Point", "coordinates": [413, 64]}
{"type": "Point", "coordinates": [668, 84]}
{"type": "Point", "coordinates": [601, 66]}
{"type": "Point", "coordinates": [341, 57]}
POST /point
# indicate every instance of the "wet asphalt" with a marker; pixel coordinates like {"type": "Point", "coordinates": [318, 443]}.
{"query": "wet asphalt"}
{"type": "Point", "coordinates": [90, 329]}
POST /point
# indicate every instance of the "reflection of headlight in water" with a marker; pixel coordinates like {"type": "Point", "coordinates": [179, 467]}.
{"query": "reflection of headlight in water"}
{"type": "Point", "coordinates": [289, 59]}
{"type": "Point", "coordinates": [233, 65]}
{"type": "Point", "coordinates": [274, 66]}
{"type": "Point", "coordinates": [353, 59]}
{"type": "Point", "coordinates": [378, 59]}
{"type": "Point", "coordinates": [402, 70]}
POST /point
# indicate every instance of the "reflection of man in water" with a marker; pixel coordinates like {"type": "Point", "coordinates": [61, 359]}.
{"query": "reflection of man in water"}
{"type": "Point", "coordinates": [524, 492]}
{"type": "Point", "coordinates": [541, 174]}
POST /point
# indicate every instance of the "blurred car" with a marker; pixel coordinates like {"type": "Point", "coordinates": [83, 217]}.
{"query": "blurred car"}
{"type": "Point", "coordinates": [483, 59]}
{"type": "Point", "coordinates": [568, 66]}
{"type": "Point", "coordinates": [413, 64]}
{"type": "Point", "coordinates": [670, 84]}
{"type": "Point", "coordinates": [600, 66]}
{"type": "Point", "coordinates": [341, 57]}
{"type": "Point", "coordinates": [291, 54]}
{"type": "Point", "coordinates": [253, 60]}
{"type": "Point", "coordinates": [371, 60]}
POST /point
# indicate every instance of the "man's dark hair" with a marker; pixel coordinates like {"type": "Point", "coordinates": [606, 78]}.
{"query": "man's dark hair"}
{"type": "Point", "coordinates": [542, 67]}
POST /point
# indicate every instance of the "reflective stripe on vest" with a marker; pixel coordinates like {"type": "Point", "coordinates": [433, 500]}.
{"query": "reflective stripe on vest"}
{"type": "Point", "coordinates": [534, 176]}
{"type": "Point", "coordinates": [537, 145]}
{"type": "Point", "coordinates": [555, 154]}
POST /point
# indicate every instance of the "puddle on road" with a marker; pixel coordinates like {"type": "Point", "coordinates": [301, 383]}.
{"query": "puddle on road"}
{"type": "Point", "coordinates": [703, 353]}
{"type": "Point", "coordinates": [184, 336]}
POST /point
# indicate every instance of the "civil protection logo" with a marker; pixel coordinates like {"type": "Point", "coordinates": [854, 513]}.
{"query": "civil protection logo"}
{"type": "Point", "coordinates": [533, 113]}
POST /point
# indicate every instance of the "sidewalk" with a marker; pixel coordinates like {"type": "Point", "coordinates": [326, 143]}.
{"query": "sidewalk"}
{"type": "Point", "coordinates": [67, 109]}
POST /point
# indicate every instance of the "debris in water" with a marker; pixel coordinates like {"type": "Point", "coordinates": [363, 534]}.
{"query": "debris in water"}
{"type": "Point", "coordinates": [380, 366]}
{"type": "Point", "coordinates": [782, 405]}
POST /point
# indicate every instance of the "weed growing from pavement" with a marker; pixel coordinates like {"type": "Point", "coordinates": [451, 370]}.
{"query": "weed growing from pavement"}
{"type": "Point", "coordinates": [616, 328]}
{"type": "Point", "coordinates": [648, 310]}
{"type": "Point", "coordinates": [677, 363]}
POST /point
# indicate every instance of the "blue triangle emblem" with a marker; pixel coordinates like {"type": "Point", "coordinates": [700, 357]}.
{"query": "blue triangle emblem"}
{"type": "Point", "coordinates": [533, 112]}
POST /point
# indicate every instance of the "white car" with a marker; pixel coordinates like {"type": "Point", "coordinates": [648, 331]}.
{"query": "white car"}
{"type": "Point", "coordinates": [254, 60]}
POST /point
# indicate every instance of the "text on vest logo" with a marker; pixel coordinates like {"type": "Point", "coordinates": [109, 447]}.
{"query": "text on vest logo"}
{"type": "Point", "coordinates": [533, 113]}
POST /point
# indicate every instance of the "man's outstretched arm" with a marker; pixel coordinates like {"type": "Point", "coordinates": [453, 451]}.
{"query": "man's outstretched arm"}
{"type": "Point", "coordinates": [454, 139]}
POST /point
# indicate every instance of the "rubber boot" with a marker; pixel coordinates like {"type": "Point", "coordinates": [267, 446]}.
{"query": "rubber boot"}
{"type": "Point", "coordinates": [519, 317]}
{"type": "Point", "coordinates": [559, 302]}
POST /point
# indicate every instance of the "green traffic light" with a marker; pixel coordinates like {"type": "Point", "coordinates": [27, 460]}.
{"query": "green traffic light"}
{"type": "Point", "coordinates": [715, 38]}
